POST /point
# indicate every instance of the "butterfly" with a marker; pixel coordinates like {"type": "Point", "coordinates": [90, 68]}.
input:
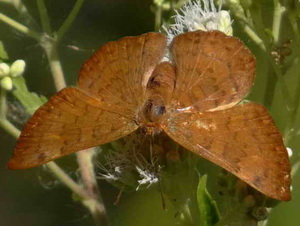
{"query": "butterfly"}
{"type": "Point", "coordinates": [194, 98]}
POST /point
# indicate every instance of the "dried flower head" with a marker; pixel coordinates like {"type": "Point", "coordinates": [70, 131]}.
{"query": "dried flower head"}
{"type": "Point", "coordinates": [129, 166]}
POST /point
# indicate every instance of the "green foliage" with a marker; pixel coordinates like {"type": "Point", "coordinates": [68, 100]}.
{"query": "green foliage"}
{"type": "Point", "coordinates": [30, 101]}
{"type": "Point", "coordinates": [3, 54]}
{"type": "Point", "coordinates": [208, 209]}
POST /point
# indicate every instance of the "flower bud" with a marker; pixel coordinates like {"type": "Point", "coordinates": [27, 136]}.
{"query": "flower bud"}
{"type": "Point", "coordinates": [225, 22]}
{"type": "Point", "coordinates": [4, 70]}
{"type": "Point", "coordinates": [17, 68]}
{"type": "Point", "coordinates": [6, 83]}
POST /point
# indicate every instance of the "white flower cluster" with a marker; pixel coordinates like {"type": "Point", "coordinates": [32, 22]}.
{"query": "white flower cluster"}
{"type": "Point", "coordinates": [7, 72]}
{"type": "Point", "coordinates": [200, 15]}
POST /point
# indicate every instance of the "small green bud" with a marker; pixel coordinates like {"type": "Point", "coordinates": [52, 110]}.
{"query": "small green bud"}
{"type": "Point", "coordinates": [17, 68]}
{"type": "Point", "coordinates": [4, 70]}
{"type": "Point", "coordinates": [6, 83]}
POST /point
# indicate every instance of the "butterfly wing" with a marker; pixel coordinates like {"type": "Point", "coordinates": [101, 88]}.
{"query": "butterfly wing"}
{"type": "Point", "coordinates": [70, 121]}
{"type": "Point", "coordinates": [243, 140]}
{"type": "Point", "coordinates": [118, 72]}
{"type": "Point", "coordinates": [111, 88]}
{"type": "Point", "coordinates": [214, 71]}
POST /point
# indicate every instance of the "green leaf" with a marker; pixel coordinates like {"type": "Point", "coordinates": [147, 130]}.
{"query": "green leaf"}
{"type": "Point", "coordinates": [31, 101]}
{"type": "Point", "coordinates": [3, 54]}
{"type": "Point", "coordinates": [209, 213]}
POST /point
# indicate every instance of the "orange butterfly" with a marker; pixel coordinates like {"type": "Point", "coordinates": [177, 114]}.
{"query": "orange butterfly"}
{"type": "Point", "coordinates": [194, 100]}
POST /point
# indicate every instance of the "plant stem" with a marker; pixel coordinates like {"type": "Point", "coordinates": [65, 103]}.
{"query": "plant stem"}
{"type": "Point", "coordinates": [271, 78]}
{"type": "Point", "coordinates": [84, 158]}
{"type": "Point", "coordinates": [290, 124]}
{"type": "Point", "coordinates": [289, 128]}
{"type": "Point", "coordinates": [2, 103]}
{"type": "Point", "coordinates": [86, 167]}
{"type": "Point", "coordinates": [158, 13]}
{"type": "Point", "coordinates": [70, 19]}
{"type": "Point", "coordinates": [44, 16]}
{"type": "Point", "coordinates": [54, 168]}
{"type": "Point", "coordinates": [50, 48]}
{"type": "Point", "coordinates": [91, 197]}
{"type": "Point", "coordinates": [67, 181]}
{"type": "Point", "coordinates": [20, 27]}
{"type": "Point", "coordinates": [284, 89]}
{"type": "Point", "coordinates": [270, 88]}
{"type": "Point", "coordinates": [10, 128]}
{"type": "Point", "coordinates": [4, 123]}
{"type": "Point", "coordinates": [251, 33]}
{"type": "Point", "coordinates": [277, 17]}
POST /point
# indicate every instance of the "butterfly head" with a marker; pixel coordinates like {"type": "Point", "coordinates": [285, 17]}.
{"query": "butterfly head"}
{"type": "Point", "coordinates": [151, 114]}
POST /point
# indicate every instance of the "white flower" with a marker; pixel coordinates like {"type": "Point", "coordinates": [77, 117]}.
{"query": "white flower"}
{"type": "Point", "coordinates": [200, 15]}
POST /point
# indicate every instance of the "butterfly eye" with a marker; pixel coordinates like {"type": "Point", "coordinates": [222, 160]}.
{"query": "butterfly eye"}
{"type": "Point", "coordinates": [154, 109]}
{"type": "Point", "coordinates": [159, 110]}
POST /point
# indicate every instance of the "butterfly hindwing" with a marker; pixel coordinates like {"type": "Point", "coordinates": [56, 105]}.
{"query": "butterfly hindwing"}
{"type": "Point", "coordinates": [243, 140]}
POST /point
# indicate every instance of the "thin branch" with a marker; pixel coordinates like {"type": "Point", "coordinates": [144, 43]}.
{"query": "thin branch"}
{"type": "Point", "coordinates": [44, 16]}
{"type": "Point", "coordinates": [50, 48]}
{"type": "Point", "coordinates": [251, 33]}
{"type": "Point", "coordinates": [84, 158]}
{"type": "Point", "coordinates": [70, 19]}
{"type": "Point", "coordinates": [3, 105]}
{"type": "Point", "coordinates": [9, 128]}
{"type": "Point", "coordinates": [55, 169]}
{"type": "Point", "coordinates": [277, 17]}
{"type": "Point", "coordinates": [90, 195]}
{"type": "Point", "coordinates": [20, 27]}
{"type": "Point", "coordinates": [67, 181]}
{"type": "Point", "coordinates": [158, 12]}
{"type": "Point", "coordinates": [86, 167]}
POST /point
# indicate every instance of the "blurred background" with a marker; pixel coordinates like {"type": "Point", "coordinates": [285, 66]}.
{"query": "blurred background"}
{"type": "Point", "coordinates": [32, 197]}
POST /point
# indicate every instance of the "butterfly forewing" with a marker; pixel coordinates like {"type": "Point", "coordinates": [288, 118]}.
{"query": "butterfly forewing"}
{"type": "Point", "coordinates": [242, 139]}
{"type": "Point", "coordinates": [214, 71]}
{"type": "Point", "coordinates": [112, 87]}
{"type": "Point", "coordinates": [70, 121]}
{"type": "Point", "coordinates": [118, 72]}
